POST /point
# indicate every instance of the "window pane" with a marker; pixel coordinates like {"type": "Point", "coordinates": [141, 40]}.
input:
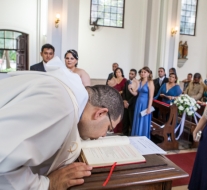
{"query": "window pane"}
{"type": "Point", "coordinates": [9, 44]}
{"type": "Point", "coordinates": [1, 34]}
{"type": "Point", "coordinates": [114, 3]}
{"type": "Point", "coordinates": [113, 9]}
{"type": "Point", "coordinates": [16, 34]}
{"type": "Point", "coordinates": [95, 1]}
{"type": "Point", "coordinates": [9, 34]}
{"type": "Point", "coordinates": [2, 43]}
{"type": "Point", "coordinates": [120, 3]}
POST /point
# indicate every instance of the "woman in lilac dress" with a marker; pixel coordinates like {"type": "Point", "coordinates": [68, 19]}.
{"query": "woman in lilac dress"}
{"type": "Point", "coordinates": [145, 91]}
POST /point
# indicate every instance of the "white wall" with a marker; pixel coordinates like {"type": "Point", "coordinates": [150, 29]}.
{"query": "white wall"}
{"type": "Point", "coordinates": [98, 50]}
{"type": "Point", "coordinates": [197, 46]}
{"type": "Point", "coordinates": [21, 15]}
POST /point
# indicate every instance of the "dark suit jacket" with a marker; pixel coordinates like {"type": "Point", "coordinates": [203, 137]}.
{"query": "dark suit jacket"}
{"type": "Point", "coordinates": [157, 85]}
{"type": "Point", "coordinates": [131, 99]}
{"type": "Point", "coordinates": [109, 77]}
{"type": "Point", "coordinates": [38, 67]}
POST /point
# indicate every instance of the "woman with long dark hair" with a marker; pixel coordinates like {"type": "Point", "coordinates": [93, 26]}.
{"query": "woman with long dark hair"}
{"type": "Point", "coordinates": [118, 82]}
{"type": "Point", "coordinates": [71, 62]}
{"type": "Point", "coordinates": [170, 90]}
{"type": "Point", "coordinates": [145, 91]}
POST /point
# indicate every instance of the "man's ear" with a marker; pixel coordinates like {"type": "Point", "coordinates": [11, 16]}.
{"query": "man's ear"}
{"type": "Point", "coordinates": [41, 54]}
{"type": "Point", "coordinates": [100, 112]}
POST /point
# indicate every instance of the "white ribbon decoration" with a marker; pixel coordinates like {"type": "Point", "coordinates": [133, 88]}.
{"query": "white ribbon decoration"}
{"type": "Point", "coordinates": [182, 122]}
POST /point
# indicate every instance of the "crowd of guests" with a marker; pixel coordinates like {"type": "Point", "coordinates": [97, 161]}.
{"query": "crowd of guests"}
{"type": "Point", "coordinates": [137, 94]}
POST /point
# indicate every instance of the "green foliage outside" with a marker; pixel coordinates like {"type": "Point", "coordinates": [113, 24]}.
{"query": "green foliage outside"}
{"type": "Point", "coordinates": [8, 70]}
{"type": "Point", "coordinates": [12, 55]}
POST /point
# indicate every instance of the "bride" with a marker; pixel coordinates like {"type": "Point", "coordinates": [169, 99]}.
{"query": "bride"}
{"type": "Point", "coordinates": [71, 62]}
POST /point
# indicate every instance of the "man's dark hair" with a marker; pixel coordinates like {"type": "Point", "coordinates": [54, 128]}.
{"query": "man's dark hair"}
{"type": "Point", "coordinates": [173, 70]}
{"type": "Point", "coordinates": [134, 70]}
{"type": "Point", "coordinates": [108, 97]}
{"type": "Point", "coordinates": [162, 68]}
{"type": "Point", "coordinates": [47, 46]}
{"type": "Point", "coordinates": [197, 75]}
{"type": "Point", "coordinates": [140, 71]}
{"type": "Point", "coordinates": [190, 74]}
{"type": "Point", "coordinates": [122, 72]}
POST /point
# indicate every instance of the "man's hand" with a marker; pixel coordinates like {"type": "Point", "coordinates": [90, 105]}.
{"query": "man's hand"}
{"type": "Point", "coordinates": [68, 176]}
{"type": "Point", "coordinates": [126, 104]}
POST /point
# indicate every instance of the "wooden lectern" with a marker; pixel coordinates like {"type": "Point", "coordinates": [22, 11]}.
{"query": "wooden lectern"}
{"type": "Point", "coordinates": [156, 174]}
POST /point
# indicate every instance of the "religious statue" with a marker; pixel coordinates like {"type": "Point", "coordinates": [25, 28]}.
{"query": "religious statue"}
{"type": "Point", "coordinates": [180, 50]}
{"type": "Point", "coordinates": [185, 50]}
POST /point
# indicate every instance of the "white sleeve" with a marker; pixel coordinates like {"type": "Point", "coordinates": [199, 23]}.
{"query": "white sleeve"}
{"type": "Point", "coordinates": [23, 179]}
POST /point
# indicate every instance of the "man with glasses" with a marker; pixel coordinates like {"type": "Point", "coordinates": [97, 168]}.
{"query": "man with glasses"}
{"type": "Point", "coordinates": [162, 79]}
{"type": "Point", "coordinates": [41, 121]}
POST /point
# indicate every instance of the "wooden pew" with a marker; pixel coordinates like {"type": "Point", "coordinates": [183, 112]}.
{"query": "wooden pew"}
{"type": "Point", "coordinates": [164, 125]}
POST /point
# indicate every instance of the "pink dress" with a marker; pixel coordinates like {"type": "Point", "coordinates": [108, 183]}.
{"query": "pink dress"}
{"type": "Point", "coordinates": [120, 87]}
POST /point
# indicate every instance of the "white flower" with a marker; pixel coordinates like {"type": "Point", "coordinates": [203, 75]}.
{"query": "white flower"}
{"type": "Point", "coordinates": [181, 108]}
{"type": "Point", "coordinates": [190, 113]}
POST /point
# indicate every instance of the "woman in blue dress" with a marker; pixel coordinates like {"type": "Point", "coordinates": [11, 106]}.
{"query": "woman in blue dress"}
{"type": "Point", "coordinates": [145, 91]}
{"type": "Point", "coordinates": [169, 91]}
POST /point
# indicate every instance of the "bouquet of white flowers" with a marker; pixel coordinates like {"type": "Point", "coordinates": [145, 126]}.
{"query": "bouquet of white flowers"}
{"type": "Point", "coordinates": [186, 104]}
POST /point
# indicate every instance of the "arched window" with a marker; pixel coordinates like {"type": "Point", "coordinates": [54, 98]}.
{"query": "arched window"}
{"type": "Point", "coordinates": [13, 51]}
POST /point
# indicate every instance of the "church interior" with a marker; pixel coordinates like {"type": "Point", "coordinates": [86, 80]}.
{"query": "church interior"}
{"type": "Point", "coordinates": [151, 34]}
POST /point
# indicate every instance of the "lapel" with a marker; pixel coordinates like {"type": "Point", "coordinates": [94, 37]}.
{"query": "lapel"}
{"type": "Point", "coordinates": [41, 67]}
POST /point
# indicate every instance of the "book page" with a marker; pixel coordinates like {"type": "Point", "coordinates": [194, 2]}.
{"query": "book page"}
{"type": "Point", "coordinates": [106, 156]}
{"type": "Point", "coordinates": [145, 146]}
{"type": "Point", "coordinates": [105, 141]}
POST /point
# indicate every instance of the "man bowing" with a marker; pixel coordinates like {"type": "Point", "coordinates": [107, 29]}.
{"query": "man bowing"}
{"type": "Point", "coordinates": [42, 117]}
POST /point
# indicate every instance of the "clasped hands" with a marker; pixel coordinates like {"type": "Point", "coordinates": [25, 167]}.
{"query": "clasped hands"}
{"type": "Point", "coordinates": [70, 175]}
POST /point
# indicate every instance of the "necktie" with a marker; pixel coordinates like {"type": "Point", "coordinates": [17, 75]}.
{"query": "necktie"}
{"type": "Point", "coordinates": [160, 82]}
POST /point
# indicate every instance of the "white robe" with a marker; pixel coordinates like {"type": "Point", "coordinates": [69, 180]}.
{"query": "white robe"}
{"type": "Point", "coordinates": [38, 124]}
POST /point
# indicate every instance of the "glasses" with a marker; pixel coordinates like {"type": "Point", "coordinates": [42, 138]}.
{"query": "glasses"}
{"type": "Point", "coordinates": [111, 126]}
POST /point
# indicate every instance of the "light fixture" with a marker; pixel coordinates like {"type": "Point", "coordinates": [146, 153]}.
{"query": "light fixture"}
{"type": "Point", "coordinates": [174, 31]}
{"type": "Point", "coordinates": [57, 20]}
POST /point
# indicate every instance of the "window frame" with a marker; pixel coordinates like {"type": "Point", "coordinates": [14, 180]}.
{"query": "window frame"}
{"type": "Point", "coordinates": [196, 13]}
{"type": "Point", "coordinates": [5, 30]}
{"type": "Point", "coordinates": [105, 25]}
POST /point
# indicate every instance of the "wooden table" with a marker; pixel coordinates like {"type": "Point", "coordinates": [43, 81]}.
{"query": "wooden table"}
{"type": "Point", "coordinates": [156, 174]}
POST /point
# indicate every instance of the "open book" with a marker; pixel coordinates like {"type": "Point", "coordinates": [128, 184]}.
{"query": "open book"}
{"type": "Point", "coordinates": [108, 150]}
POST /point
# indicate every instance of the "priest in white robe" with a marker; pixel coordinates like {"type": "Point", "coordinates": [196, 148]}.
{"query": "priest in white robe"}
{"type": "Point", "coordinates": [42, 116]}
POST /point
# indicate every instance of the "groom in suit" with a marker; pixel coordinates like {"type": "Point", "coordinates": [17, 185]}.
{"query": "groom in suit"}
{"type": "Point", "coordinates": [162, 79]}
{"type": "Point", "coordinates": [47, 53]}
